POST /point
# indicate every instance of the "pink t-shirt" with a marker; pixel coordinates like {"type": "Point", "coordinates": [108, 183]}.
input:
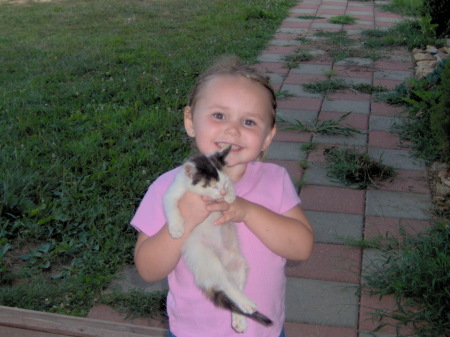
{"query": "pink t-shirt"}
{"type": "Point", "coordinates": [191, 314]}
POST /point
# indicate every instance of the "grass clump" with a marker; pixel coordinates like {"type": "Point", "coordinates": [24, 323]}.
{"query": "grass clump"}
{"type": "Point", "coordinates": [327, 127]}
{"type": "Point", "coordinates": [309, 147]}
{"type": "Point", "coordinates": [323, 33]}
{"type": "Point", "coordinates": [351, 167]}
{"type": "Point", "coordinates": [325, 87]}
{"type": "Point", "coordinates": [90, 114]}
{"type": "Point", "coordinates": [310, 17]}
{"type": "Point", "coordinates": [293, 61]}
{"type": "Point", "coordinates": [414, 33]}
{"type": "Point", "coordinates": [416, 270]}
{"type": "Point", "coordinates": [367, 88]}
{"type": "Point", "coordinates": [427, 121]}
{"type": "Point", "coordinates": [343, 19]}
{"type": "Point", "coordinates": [282, 94]}
{"type": "Point", "coordinates": [339, 46]}
{"type": "Point", "coordinates": [333, 85]}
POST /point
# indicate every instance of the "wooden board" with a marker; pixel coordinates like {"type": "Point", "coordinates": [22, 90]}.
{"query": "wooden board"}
{"type": "Point", "coordinates": [16, 322]}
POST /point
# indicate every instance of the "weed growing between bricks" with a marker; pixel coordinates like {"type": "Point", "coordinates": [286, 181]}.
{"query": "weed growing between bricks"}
{"type": "Point", "coordinates": [292, 61]}
{"type": "Point", "coordinates": [327, 127]}
{"type": "Point", "coordinates": [343, 19]}
{"type": "Point", "coordinates": [333, 85]}
{"type": "Point", "coordinates": [351, 167]}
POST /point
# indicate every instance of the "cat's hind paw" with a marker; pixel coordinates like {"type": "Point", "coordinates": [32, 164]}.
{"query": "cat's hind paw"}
{"type": "Point", "coordinates": [238, 322]}
{"type": "Point", "coordinates": [247, 306]}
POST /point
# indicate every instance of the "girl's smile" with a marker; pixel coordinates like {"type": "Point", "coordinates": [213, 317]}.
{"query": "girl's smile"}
{"type": "Point", "coordinates": [234, 147]}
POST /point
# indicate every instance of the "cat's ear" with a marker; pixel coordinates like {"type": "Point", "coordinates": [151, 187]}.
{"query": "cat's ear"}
{"type": "Point", "coordinates": [222, 154]}
{"type": "Point", "coordinates": [189, 170]}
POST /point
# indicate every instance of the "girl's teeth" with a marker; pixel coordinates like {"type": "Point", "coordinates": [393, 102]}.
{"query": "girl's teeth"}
{"type": "Point", "coordinates": [233, 147]}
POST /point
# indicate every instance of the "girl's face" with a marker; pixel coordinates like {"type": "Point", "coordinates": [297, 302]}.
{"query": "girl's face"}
{"type": "Point", "coordinates": [232, 110]}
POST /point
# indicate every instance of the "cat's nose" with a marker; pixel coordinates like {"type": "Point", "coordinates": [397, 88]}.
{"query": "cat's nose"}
{"type": "Point", "coordinates": [222, 191]}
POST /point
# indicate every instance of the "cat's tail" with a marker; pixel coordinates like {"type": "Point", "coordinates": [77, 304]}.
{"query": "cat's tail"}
{"type": "Point", "coordinates": [220, 299]}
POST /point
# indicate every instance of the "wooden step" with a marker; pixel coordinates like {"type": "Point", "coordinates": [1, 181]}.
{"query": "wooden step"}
{"type": "Point", "coordinates": [16, 322]}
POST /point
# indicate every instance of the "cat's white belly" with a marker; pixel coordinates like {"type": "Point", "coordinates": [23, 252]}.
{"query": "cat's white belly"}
{"type": "Point", "coordinates": [207, 233]}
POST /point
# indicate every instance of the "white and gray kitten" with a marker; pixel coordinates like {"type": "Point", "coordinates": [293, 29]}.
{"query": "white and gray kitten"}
{"type": "Point", "coordinates": [211, 251]}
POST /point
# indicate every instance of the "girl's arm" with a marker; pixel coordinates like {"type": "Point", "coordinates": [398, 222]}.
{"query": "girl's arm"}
{"type": "Point", "coordinates": [289, 235]}
{"type": "Point", "coordinates": [156, 256]}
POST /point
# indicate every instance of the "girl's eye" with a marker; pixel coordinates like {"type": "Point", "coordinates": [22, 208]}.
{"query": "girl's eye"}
{"type": "Point", "coordinates": [249, 122]}
{"type": "Point", "coordinates": [218, 115]}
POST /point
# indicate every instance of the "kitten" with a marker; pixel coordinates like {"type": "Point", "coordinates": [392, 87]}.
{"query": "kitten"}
{"type": "Point", "coordinates": [211, 251]}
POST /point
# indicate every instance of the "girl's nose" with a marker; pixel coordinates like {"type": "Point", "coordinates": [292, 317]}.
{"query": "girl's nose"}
{"type": "Point", "coordinates": [232, 129]}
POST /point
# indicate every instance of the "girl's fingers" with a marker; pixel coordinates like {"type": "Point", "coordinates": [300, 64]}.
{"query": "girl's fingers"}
{"type": "Point", "coordinates": [217, 206]}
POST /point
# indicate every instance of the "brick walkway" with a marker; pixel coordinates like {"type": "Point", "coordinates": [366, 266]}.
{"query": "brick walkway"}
{"type": "Point", "coordinates": [322, 298]}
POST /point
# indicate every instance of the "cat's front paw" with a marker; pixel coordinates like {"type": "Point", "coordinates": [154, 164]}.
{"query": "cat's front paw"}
{"type": "Point", "coordinates": [176, 229]}
{"type": "Point", "coordinates": [238, 322]}
{"type": "Point", "coordinates": [230, 196]}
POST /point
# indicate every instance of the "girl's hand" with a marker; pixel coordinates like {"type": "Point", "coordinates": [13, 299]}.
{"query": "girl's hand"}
{"type": "Point", "coordinates": [193, 209]}
{"type": "Point", "coordinates": [234, 212]}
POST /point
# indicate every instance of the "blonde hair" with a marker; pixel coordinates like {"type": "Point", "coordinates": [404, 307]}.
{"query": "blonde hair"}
{"type": "Point", "coordinates": [231, 65]}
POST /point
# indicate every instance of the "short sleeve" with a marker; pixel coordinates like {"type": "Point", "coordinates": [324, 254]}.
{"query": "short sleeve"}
{"type": "Point", "coordinates": [289, 195]}
{"type": "Point", "coordinates": [268, 185]}
{"type": "Point", "coordinates": [149, 217]}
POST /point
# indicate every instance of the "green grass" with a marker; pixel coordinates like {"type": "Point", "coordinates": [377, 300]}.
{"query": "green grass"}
{"type": "Point", "coordinates": [137, 303]}
{"type": "Point", "coordinates": [415, 32]}
{"type": "Point", "coordinates": [326, 127]}
{"type": "Point", "coordinates": [339, 46]}
{"type": "Point", "coordinates": [343, 19]}
{"type": "Point", "coordinates": [333, 85]}
{"type": "Point", "coordinates": [326, 86]}
{"type": "Point", "coordinates": [416, 271]}
{"type": "Point", "coordinates": [309, 147]}
{"type": "Point", "coordinates": [420, 98]}
{"type": "Point", "coordinates": [90, 114]}
{"type": "Point", "coordinates": [293, 61]}
{"type": "Point", "coordinates": [310, 17]}
{"type": "Point", "coordinates": [324, 33]}
{"type": "Point", "coordinates": [351, 167]}
{"type": "Point", "coordinates": [404, 7]}
{"type": "Point", "coordinates": [374, 33]}
{"type": "Point", "coordinates": [283, 94]}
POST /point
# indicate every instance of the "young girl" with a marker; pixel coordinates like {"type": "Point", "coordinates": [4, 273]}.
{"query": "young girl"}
{"type": "Point", "coordinates": [230, 104]}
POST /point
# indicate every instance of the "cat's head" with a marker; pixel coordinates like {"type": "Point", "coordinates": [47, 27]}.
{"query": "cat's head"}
{"type": "Point", "coordinates": [206, 175]}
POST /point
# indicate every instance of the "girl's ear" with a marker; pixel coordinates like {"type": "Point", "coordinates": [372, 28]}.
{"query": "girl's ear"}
{"type": "Point", "coordinates": [188, 121]}
{"type": "Point", "coordinates": [269, 138]}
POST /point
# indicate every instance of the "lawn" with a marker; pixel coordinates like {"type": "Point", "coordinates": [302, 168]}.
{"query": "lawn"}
{"type": "Point", "coordinates": [90, 114]}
